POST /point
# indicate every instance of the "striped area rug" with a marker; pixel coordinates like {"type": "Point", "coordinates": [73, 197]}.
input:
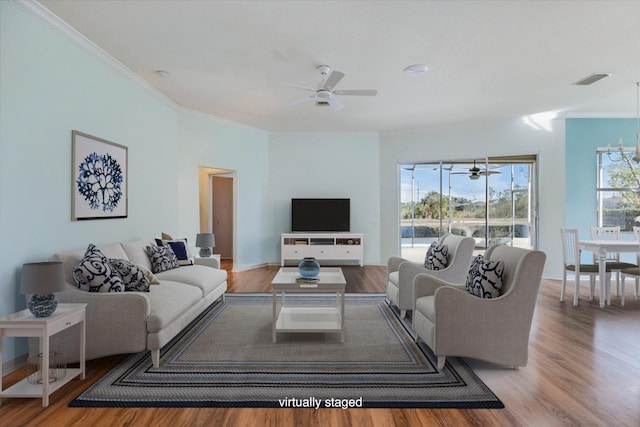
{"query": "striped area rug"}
{"type": "Point", "coordinates": [226, 358]}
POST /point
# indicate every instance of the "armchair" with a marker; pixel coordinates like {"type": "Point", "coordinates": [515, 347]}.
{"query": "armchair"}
{"type": "Point", "coordinates": [453, 322]}
{"type": "Point", "coordinates": [401, 272]}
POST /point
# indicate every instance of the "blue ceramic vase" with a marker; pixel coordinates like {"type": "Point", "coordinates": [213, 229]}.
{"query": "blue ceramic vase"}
{"type": "Point", "coordinates": [309, 268]}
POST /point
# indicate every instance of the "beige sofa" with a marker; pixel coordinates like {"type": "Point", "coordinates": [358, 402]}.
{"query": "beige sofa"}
{"type": "Point", "coordinates": [130, 322]}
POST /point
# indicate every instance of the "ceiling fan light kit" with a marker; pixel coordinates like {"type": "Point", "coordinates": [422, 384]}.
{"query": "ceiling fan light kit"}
{"type": "Point", "coordinates": [324, 95]}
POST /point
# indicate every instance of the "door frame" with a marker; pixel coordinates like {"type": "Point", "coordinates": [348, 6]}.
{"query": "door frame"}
{"type": "Point", "coordinates": [228, 173]}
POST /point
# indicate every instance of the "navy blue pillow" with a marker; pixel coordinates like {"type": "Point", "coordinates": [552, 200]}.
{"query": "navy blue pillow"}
{"type": "Point", "coordinates": [180, 249]}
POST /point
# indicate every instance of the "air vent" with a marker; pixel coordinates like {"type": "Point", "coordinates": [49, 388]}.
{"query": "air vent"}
{"type": "Point", "coordinates": [591, 79]}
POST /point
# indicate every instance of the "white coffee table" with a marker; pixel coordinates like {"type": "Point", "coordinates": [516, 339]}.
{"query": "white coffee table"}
{"type": "Point", "coordinates": [291, 318]}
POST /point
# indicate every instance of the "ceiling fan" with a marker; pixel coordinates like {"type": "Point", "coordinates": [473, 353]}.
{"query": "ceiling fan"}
{"type": "Point", "coordinates": [475, 172]}
{"type": "Point", "coordinates": [324, 95]}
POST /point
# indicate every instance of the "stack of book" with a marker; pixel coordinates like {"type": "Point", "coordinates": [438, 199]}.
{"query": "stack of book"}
{"type": "Point", "coordinates": [307, 280]}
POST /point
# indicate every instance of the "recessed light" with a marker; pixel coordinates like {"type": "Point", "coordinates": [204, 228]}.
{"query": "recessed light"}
{"type": "Point", "coordinates": [162, 73]}
{"type": "Point", "coordinates": [416, 69]}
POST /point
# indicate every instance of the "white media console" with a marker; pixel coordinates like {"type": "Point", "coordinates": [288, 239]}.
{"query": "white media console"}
{"type": "Point", "coordinates": [322, 246]}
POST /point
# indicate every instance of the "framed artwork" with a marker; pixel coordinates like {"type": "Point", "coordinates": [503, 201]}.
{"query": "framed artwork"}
{"type": "Point", "coordinates": [99, 178]}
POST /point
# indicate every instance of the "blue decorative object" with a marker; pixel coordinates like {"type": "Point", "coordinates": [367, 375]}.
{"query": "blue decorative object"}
{"type": "Point", "coordinates": [100, 181]}
{"type": "Point", "coordinates": [43, 305]}
{"type": "Point", "coordinates": [309, 268]}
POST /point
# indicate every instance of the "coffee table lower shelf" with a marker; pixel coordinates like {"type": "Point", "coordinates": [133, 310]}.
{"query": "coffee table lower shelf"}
{"type": "Point", "coordinates": [309, 319]}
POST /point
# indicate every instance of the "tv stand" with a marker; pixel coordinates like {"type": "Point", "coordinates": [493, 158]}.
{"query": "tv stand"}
{"type": "Point", "coordinates": [322, 246]}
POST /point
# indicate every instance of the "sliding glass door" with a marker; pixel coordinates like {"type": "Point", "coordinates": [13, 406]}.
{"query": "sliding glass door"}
{"type": "Point", "coordinates": [491, 200]}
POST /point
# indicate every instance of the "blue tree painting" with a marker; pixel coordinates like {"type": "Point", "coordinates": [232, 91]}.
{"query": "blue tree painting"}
{"type": "Point", "coordinates": [100, 181]}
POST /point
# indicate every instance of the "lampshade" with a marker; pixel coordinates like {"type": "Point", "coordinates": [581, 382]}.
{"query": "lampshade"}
{"type": "Point", "coordinates": [42, 278]}
{"type": "Point", "coordinates": [205, 240]}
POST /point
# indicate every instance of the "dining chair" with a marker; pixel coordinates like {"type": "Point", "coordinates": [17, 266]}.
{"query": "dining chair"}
{"type": "Point", "coordinates": [613, 262]}
{"type": "Point", "coordinates": [633, 272]}
{"type": "Point", "coordinates": [571, 259]}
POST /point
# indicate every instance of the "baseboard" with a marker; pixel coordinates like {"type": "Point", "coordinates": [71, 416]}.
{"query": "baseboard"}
{"type": "Point", "coordinates": [247, 267]}
{"type": "Point", "coordinates": [15, 364]}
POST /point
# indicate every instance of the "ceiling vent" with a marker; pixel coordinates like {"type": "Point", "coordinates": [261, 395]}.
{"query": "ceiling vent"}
{"type": "Point", "coordinates": [591, 79]}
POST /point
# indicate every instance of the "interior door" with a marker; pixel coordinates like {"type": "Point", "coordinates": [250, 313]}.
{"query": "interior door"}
{"type": "Point", "coordinates": [222, 215]}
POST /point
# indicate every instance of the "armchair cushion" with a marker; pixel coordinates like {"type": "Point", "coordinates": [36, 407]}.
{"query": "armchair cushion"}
{"type": "Point", "coordinates": [437, 257]}
{"type": "Point", "coordinates": [485, 277]}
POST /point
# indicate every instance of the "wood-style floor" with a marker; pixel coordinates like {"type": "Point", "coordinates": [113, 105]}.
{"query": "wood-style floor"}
{"type": "Point", "coordinates": [584, 370]}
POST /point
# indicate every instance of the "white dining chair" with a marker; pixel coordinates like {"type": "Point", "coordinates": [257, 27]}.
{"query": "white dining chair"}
{"type": "Point", "coordinates": [613, 262]}
{"type": "Point", "coordinates": [571, 260]}
{"type": "Point", "coordinates": [633, 272]}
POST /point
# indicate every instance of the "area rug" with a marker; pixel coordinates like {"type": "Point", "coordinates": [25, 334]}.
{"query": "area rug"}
{"type": "Point", "coordinates": [226, 358]}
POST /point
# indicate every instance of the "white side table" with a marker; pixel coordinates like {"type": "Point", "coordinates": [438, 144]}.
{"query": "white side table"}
{"type": "Point", "coordinates": [212, 261]}
{"type": "Point", "coordinates": [25, 324]}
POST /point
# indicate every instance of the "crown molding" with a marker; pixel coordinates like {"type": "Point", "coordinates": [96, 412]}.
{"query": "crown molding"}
{"type": "Point", "coordinates": [44, 15]}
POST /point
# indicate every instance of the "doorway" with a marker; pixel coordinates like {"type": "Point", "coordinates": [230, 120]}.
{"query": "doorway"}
{"type": "Point", "coordinates": [217, 213]}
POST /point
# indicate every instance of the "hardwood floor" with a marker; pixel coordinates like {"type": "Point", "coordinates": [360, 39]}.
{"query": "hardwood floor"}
{"type": "Point", "coordinates": [584, 369]}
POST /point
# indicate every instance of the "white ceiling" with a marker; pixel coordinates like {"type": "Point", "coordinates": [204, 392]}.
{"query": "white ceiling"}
{"type": "Point", "coordinates": [487, 59]}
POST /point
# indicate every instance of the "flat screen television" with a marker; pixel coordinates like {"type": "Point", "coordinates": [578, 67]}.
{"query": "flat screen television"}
{"type": "Point", "coordinates": [320, 215]}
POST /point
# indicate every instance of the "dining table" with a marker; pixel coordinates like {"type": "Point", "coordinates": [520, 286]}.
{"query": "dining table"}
{"type": "Point", "coordinates": [601, 248]}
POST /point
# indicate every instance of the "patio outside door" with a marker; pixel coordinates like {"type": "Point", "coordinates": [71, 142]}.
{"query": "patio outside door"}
{"type": "Point", "coordinates": [494, 204]}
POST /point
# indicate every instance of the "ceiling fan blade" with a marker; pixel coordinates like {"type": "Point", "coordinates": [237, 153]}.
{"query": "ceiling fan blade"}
{"type": "Point", "coordinates": [301, 100]}
{"type": "Point", "coordinates": [299, 87]}
{"type": "Point", "coordinates": [334, 103]}
{"type": "Point", "coordinates": [359, 92]}
{"type": "Point", "coordinates": [333, 80]}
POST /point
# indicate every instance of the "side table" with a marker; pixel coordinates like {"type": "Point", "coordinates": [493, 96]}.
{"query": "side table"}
{"type": "Point", "coordinates": [25, 324]}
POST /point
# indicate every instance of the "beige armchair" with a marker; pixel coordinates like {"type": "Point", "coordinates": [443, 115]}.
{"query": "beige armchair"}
{"type": "Point", "coordinates": [401, 272]}
{"type": "Point", "coordinates": [453, 322]}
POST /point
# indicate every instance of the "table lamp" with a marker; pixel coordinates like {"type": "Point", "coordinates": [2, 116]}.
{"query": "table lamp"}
{"type": "Point", "coordinates": [41, 280]}
{"type": "Point", "coordinates": [206, 242]}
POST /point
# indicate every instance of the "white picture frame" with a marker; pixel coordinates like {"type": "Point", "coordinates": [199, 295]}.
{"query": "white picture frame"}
{"type": "Point", "coordinates": [99, 178]}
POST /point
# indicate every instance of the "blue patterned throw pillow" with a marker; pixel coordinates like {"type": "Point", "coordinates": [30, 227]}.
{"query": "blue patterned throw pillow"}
{"type": "Point", "coordinates": [437, 257]}
{"type": "Point", "coordinates": [485, 277]}
{"type": "Point", "coordinates": [162, 258]}
{"type": "Point", "coordinates": [94, 273]}
{"type": "Point", "coordinates": [133, 277]}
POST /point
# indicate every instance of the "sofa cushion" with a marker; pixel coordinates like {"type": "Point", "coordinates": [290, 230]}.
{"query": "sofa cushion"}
{"type": "Point", "coordinates": [94, 273]}
{"type": "Point", "coordinates": [169, 301]}
{"type": "Point", "coordinates": [437, 257]}
{"type": "Point", "coordinates": [162, 258]}
{"type": "Point", "coordinates": [133, 278]}
{"type": "Point", "coordinates": [71, 259]}
{"type": "Point", "coordinates": [199, 276]}
{"type": "Point", "coordinates": [136, 252]}
{"type": "Point", "coordinates": [484, 279]}
{"type": "Point", "coordinates": [153, 280]}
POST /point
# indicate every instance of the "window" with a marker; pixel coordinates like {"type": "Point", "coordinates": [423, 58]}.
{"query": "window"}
{"type": "Point", "coordinates": [618, 188]}
{"type": "Point", "coordinates": [491, 200]}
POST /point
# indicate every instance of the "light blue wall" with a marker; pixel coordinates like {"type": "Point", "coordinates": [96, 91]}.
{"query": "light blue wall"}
{"type": "Point", "coordinates": [583, 137]}
{"type": "Point", "coordinates": [326, 165]}
{"type": "Point", "coordinates": [207, 141]}
{"type": "Point", "coordinates": [48, 87]}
